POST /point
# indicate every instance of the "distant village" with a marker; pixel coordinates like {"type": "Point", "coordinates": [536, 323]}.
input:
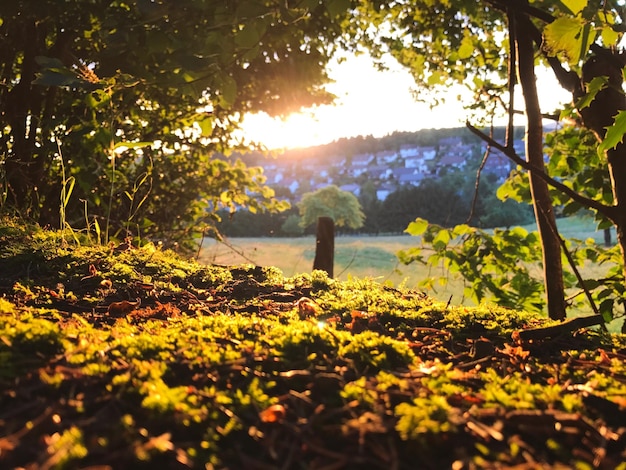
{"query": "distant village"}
{"type": "Point", "coordinates": [294, 173]}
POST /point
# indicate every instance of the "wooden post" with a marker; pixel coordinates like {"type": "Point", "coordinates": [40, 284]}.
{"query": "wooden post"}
{"type": "Point", "coordinates": [325, 245]}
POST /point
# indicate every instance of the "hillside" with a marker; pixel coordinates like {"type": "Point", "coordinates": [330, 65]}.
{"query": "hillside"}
{"type": "Point", "coordinates": [124, 357]}
{"type": "Point", "coordinates": [388, 163]}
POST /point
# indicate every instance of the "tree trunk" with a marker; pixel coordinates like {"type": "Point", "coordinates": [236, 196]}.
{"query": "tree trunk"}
{"type": "Point", "coordinates": [23, 168]}
{"type": "Point", "coordinates": [617, 168]}
{"type": "Point", "coordinates": [542, 203]}
{"type": "Point", "coordinates": [597, 117]}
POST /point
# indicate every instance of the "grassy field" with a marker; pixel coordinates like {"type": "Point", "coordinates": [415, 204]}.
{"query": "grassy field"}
{"type": "Point", "coordinates": [359, 256]}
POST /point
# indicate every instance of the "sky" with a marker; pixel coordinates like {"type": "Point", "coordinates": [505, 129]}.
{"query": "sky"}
{"type": "Point", "coordinates": [370, 102]}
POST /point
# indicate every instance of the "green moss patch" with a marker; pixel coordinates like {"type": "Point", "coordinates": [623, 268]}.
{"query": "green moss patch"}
{"type": "Point", "coordinates": [134, 358]}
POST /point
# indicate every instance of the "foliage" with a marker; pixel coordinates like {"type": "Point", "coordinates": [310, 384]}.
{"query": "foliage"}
{"type": "Point", "coordinates": [572, 157]}
{"type": "Point", "coordinates": [341, 206]}
{"type": "Point", "coordinates": [218, 367]}
{"type": "Point", "coordinates": [292, 226]}
{"type": "Point", "coordinates": [143, 97]}
{"type": "Point", "coordinates": [440, 43]}
{"type": "Point", "coordinates": [495, 266]}
{"type": "Point", "coordinates": [482, 45]}
{"type": "Point", "coordinates": [448, 201]}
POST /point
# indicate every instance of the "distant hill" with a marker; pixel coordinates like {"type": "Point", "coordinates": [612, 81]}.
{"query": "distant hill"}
{"type": "Point", "coordinates": [389, 163]}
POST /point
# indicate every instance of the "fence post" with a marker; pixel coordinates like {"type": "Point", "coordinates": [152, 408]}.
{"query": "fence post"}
{"type": "Point", "coordinates": [325, 245]}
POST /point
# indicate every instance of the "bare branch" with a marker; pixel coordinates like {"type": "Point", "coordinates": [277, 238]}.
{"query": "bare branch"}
{"type": "Point", "coordinates": [512, 79]}
{"type": "Point", "coordinates": [610, 212]}
{"type": "Point", "coordinates": [477, 182]}
{"type": "Point", "coordinates": [531, 11]}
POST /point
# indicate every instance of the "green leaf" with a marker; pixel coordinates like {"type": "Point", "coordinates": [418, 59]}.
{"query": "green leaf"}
{"type": "Point", "coordinates": [248, 36]}
{"type": "Point", "coordinates": [228, 92]}
{"type": "Point", "coordinates": [58, 78]}
{"type": "Point", "coordinates": [466, 49]}
{"type": "Point", "coordinates": [574, 6]}
{"type": "Point", "coordinates": [462, 229]}
{"type": "Point", "coordinates": [49, 63]}
{"type": "Point", "coordinates": [566, 35]}
{"type": "Point", "coordinates": [337, 7]}
{"type": "Point", "coordinates": [609, 36]}
{"type": "Point", "coordinates": [596, 85]}
{"type": "Point", "coordinates": [614, 134]}
{"type": "Point", "coordinates": [435, 78]}
{"type": "Point", "coordinates": [441, 240]}
{"type": "Point", "coordinates": [97, 98]}
{"type": "Point", "coordinates": [606, 309]}
{"type": "Point", "coordinates": [519, 232]}
{"type": "Point", "coordinates": [206, 125]}
{"type": "Point", "coordinates": [68, 187]}
{"type": "Point", "coordinates": [55, 73]}
{"type": "Point", "coordinates": [417, 227]}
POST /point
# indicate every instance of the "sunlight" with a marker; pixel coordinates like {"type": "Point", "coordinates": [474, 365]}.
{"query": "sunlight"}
{"type": "Point", "coordinates": [372, 102]}
{"type": "Point", "coordinates": [369, 102]}
{"type": "Point", "coordinates": [303, 129]}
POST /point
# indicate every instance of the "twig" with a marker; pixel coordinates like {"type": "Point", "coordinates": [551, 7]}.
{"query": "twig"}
{"type": "Point", "coordinates": [510, 129]}
{"type": "Point", "coordinates": [349, 264]}
{"type": "Point", "coordinates": [610, 212]}
{"type": "Point", "coordinates": [201, 243]}
{"type": "Point", "coordinates": [477, 182]}
{"type": "Point", "coordinates": [556, 330]}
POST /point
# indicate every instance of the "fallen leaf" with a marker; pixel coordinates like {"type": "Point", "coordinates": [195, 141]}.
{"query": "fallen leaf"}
{"type": "Point", "coordinates": [273, 414]}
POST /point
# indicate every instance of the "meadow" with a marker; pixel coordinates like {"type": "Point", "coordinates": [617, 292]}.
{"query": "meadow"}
{"type": "Point", "coordinates": [361, 256]}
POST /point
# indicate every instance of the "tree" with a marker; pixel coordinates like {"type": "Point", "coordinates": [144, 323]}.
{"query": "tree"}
{"type": "Point", "coordinates": [343, 207]}
{"type": "Point", "coordinates": [371, 205]}
{"type": "Point", "coordinates": [291, 226]}
{"type": "Point", "coordinates": [491, 45]}
{"type": "Point", "coordinates": [131, 101]}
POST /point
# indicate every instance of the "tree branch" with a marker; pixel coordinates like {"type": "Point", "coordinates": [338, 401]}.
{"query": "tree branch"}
{"type": "Point", "coordinates": [568, 79]}
{"type": "Point", "coordinates": [609, 212]}
{"type": "Point", "coordinates": [533, 334]}
{"type": "Point", "coordinates": [511, 78]}
{"type": "Point", "coordinates": [531, 11]}
{"type": "Point", "coordinates": [477, 182]}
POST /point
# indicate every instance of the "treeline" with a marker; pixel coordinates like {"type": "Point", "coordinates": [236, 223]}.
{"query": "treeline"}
{"type": "Point", "coordinates": [369, 144]}
{"type": "Point", "coordinates": [447, 201]}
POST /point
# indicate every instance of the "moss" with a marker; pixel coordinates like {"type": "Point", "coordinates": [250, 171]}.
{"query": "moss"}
{"type": "Point", "coordinates": [218, 367]}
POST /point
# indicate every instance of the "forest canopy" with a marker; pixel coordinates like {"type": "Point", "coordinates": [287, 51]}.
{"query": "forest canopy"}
{"type": "Point", "coordinates": [121, 107]}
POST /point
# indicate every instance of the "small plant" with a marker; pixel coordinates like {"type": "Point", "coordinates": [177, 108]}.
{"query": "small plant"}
{"type": "Point", "coordinates": [67, 186]}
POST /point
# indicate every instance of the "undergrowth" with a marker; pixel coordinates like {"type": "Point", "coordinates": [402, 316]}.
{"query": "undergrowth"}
{"type": "Point", "coordinates": [135, 358]}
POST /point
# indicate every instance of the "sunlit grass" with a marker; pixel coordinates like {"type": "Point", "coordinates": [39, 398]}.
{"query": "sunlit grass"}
{"type": "Point", "coordinates": [374, 257]}
{"type": "Point", "coordinates": [364, 256]}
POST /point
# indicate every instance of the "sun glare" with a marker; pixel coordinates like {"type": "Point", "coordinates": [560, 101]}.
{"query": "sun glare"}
{"type": "Point", "coordinates": [369, 102]}
{"type": "Point", "coordinates": [297, 130]}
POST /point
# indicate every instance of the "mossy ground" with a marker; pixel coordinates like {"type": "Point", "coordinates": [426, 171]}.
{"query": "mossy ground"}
{"type": "Point", "coordinates": [125, 357]}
